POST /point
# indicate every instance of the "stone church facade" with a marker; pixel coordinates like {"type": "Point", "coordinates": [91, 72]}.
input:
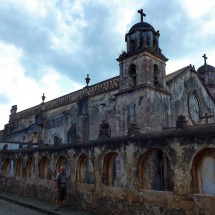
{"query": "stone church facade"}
{"type": "Point", "coordinates": [139, 143]}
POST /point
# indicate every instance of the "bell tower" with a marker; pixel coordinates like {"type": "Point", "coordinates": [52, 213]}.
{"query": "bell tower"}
{"type": "Point", "coordinates": [142, 64]}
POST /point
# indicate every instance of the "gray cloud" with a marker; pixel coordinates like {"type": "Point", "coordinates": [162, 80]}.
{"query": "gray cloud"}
{"type": "Point", "coordinates": [95, 55]}
{"type": "Point", "coordinates": [98, 42]}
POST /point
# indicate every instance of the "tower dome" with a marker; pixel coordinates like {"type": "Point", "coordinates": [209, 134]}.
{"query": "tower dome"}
{"type": "Point", "coordinates": [206, 68]}
{"type": "Point", "coordinates": [207, 73]}
{"type": "Point", "coordinates": [142, 34]}
{"type": "Point", "coordinates": [141, 26]}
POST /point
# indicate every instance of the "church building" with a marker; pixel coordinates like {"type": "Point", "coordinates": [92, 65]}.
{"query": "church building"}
{"type": "Point", "coordinates": [142, 142]}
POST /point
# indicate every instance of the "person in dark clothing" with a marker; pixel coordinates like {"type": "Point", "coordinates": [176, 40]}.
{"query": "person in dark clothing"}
{"type": "Point", "coordinates": [61, 184]}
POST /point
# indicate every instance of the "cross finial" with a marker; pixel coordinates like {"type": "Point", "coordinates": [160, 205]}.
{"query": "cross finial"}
{"type": "Point", "coordinates": [43, 97]}
{"type": "Point", "coordinates": [205, 58]}
{"type": "Point", "coordinates": [87, 80]}
{"type": "Point", "coordinates": [206, 117]}
{"type": "Point", "coordinates": [141, 14]}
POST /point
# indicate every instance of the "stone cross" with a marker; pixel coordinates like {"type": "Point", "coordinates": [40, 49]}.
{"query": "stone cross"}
{"type": "Point", "coordinates": [206, 117]}
{"type": "Point", "coordinates": [205, 58]}
{"type": "Point", "coordinates": [141, 14]}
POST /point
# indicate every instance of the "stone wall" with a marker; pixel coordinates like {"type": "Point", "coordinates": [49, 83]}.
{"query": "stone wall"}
{"type": "Point", "coordinates": [81, 114]}
{"type": "Point", "coordinates": [180, 90]}
{"type": "Point", "coordinates": [127, 177]}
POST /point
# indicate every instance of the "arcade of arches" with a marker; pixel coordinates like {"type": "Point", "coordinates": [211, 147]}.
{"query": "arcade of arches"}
{"type": "Point", "coordinates": [102, 172]}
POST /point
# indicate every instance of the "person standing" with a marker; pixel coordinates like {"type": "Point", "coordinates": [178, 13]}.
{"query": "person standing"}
{"type": "Point", "coordinates": [61, 183]}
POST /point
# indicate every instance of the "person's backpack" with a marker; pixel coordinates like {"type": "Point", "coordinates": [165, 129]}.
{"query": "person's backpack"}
{"type": "Point", "coordinates": [59, 178]}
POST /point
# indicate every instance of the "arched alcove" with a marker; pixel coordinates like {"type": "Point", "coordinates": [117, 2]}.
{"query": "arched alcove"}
{"type": "Point", "coordinates": [85, 170]}
{"type": "Point", "coordinates": [113, 170]}
{"type": "Point", "coordinates": [43, 167]}
{"type": "Point", "coordinates": [8, 167]}
{"type": "Point", "coordinates": [155, 172]}
{"type": "Point", "coordinates": [62, 161]}
{"type": "Point", "coordinates": [204, 172]}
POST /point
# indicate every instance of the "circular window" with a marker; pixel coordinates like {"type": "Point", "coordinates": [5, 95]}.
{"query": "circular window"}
{"type": "Point", "coordinates": [194, 109]}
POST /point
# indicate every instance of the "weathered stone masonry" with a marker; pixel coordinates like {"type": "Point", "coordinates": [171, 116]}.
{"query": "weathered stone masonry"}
{"type": "Point", "coordinates": [184, 151]}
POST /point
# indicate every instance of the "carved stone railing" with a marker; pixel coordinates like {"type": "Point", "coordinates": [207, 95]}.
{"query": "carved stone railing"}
{"type": "Point", "coordinates": [96, 89]}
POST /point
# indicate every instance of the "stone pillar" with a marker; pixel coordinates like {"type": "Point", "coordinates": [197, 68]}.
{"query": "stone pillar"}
{"type": "Point", "coordinates": [13, 109]}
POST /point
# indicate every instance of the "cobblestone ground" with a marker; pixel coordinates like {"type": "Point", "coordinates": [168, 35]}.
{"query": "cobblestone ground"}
{"type": "Point", "coordinates": [8, 208]}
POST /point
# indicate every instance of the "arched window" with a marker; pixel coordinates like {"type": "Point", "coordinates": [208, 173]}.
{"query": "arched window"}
{"type": "Point", "coordinates": [85, 170]}
{"type": "Point", "coordinates": [132, 75]}
{"type": "Point", "coordinates": [19, 167]}
{"type": "Point", "coordinates": [204, 172]}
{"type": "Point", "coordinates": [43, 165]}
{"type": "Point", "coordinates": [113, 170]}
{"type": "Point", "coordinates": [155, 171]}
{"type": "Point", "coordinates": [194, 108]}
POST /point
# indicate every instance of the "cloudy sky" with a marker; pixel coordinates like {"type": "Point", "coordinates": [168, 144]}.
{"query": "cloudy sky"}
{"type": "Point", "coordinates": [50, 46]}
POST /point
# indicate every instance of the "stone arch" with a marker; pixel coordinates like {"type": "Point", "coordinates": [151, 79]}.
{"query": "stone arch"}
{"type": "Point", "coordinates": [204, 172]}
{"type": "Point", "coordinates": [194, 107]}
{"type": "Point", "coordinates": [132, 75]}
{"type": "Point", "coordinates": [113, 170]}
{"type": "Point", "coordinates": [155, 172]}
{"type": "Point", "coordinates": [85, 170]}
{"type": "Point", "coordinates": [8, 167]}
{"type": "Point", "coordinates": [62, 161]}
{"type": "Point", "coordinates": [43, 167]}
{"type": "Point", "coordinates": [19, 167]}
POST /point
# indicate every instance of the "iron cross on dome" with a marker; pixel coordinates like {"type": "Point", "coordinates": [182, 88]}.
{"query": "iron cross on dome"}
{"type": "Point", "coordinates": [205, 58]}
{"type": "Point", "coordinates": [141, 14]}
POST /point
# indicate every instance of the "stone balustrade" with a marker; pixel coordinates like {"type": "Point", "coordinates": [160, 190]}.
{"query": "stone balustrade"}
{"type": "Point", "coordinates": [96, 89]}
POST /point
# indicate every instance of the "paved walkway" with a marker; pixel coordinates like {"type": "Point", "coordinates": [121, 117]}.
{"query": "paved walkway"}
{"type": "Point", "coordinates": [10, 208]}
{"type": "Point", "coordinates": [40, 206]}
